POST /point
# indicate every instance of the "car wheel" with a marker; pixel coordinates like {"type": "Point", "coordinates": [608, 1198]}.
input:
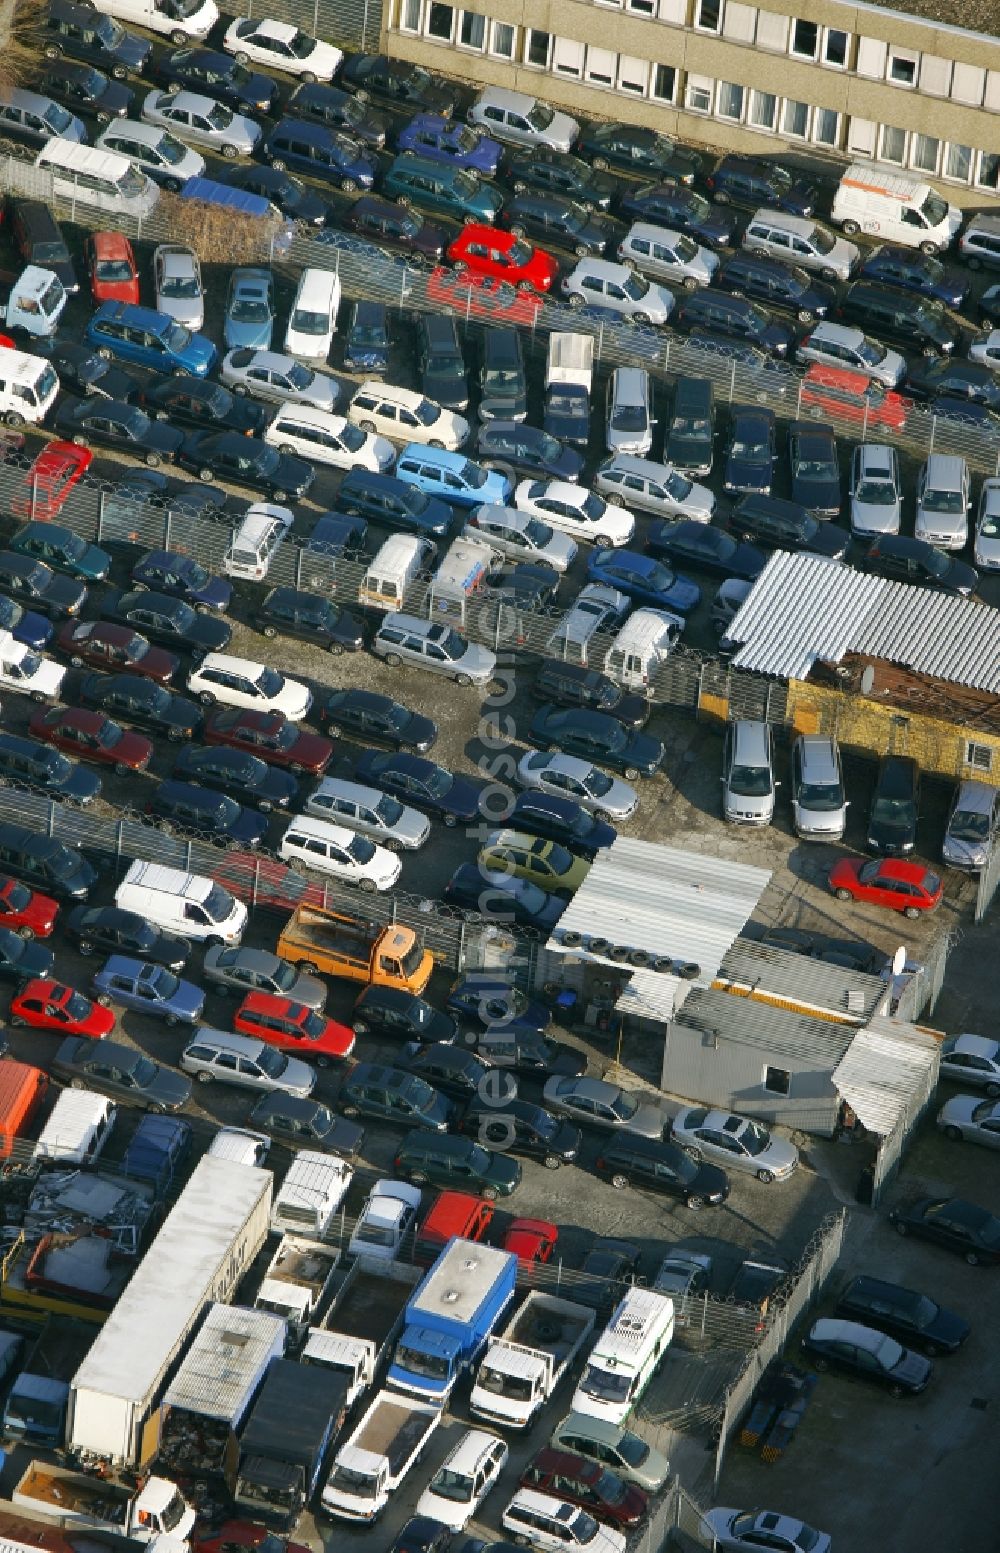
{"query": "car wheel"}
{"type": "Point", "coordinates": [170, 1020]}
{"type": "Point", "coordinates": [368, 885]}
{"type": "Point", "coordinates": [632, 773]}
{"type": "Point", "coordinates": [842, 895]}
{"type": "Point", "coordinates": [911, 911]}
{"type": "Point", "coordinates": [603, 814]}
{"type": "Point", "coordinates": [489, 1194]}
{"type": "Point", "coordinates": [817, 1362]}
{"type": "Point", "coordinates": [418, 1178]}
{"type": "Point", "coordinates": [850, 228]}
{"type": "Point", "coordinates": [692, 1152]}
{"type": "Point", "coordinates": [79, 440]}
{"type": "Point", "coordinates": [368, 426]}
{"type": "Point", "coordinates": [153, 460]}
{"type": "Point", "coordinates": [239, 388]}
{"type": "Point", "coordinates": [954, 1133]}
{"type": "Point", "coordinates": [993, 1090]}
{"type": "Point", "coordinates": [348, 186]}
{"type": "Point", "coordinates": [902, 1229]}
{"type": "Point", "coordinates": [78, 1083]}
{"type": "Point", "coordinates": [203, 1077]}
{"type": "Point", "coordinates": [179, 38]}
{"type": "Point", "coordinates": [286, 449]}
{"type": "Point", "coordinates": [930, 249]}
{"type": "Point", "coordinates": [765, 1176]}
{"type": "Point", "coordinates": [14, 418]}
{"type": "Point", "coordinates": [322, 1061]}
{"type": "Point", "coordinates": [360, 1027]}
{"type": "Point", "coordinates": [722, 198]}
{"type": "Point", "coordinates": [450, 821]}
{"type": "Point", "coordinates": [394, 660]}
{"type": "Point", "coordinates": [551, 1162]}
{"type": "Point", "coordinates": [279, 164]}
{"type": "Point", "coordinates": [897, 1391]}
{"type": "Point", "coordinates": [600, 164]}
{"type": "Point", "coordinates": [298, 770]}
{"type": "Point", "coordinates": [104, 353]}
{"type": "Point", "coordinates": [829, 275]}
{"type": "Point", "coordinates": [694, 1203]}
{"type": "Point", "coordinates": [972, 1258]}
{"type": "Point", "coordinates": [17, 1021]}
{"type": "Point", "coordinates": [641, 318]}
{"type": "Point", "coordinates": [619, 1182]}
{"type": "Point", "coordinates": [51, 51]}
{"type": "Point", "coordinates": [806, 315]}
{"type": "Point", "coordinates": [574, 299]}
{"type": "Point", "coordinates": [463, 680]}
{"type": "Point", "coordinates": [269, 632]}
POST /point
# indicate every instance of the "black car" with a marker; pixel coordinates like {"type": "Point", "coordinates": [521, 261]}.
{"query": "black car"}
{"type": "Point", "coordinates": [339, 536]}
{"type": "Point", "coordinates": [239, 773]}
{"type": "Point", "coordinates": [558, 172]}
{"type": "Point", "coordinates": [225, 455]}
{"type": "Point", "coordinates": [482, 999]}
{"type": "Point", "coordinates": [743, 180]}
{"type": "Point", "coordinates": [952, 1222]}
{"type": "Point", "coordinates": [893, 265]}
{"type": "Point", "coordinates": [402, 1016]}
{"type": "Point", "coordinates": [294, 199]}
{"type": "Point", "coordinates": [911, 1318]}
{"type": "Point", "coordinates": [39, 240]}
{"type": "Point", "coordinates": [459, 1163]}
{"type": "Point", "coordinates": [661, 1166]}
{"type": "Point", "coordinates": [562, 820]}
{"type": "Point", "coordinates": [312, 618]}
{"type": "Point", "coordinates": [525, 587]}
{"type": "Point", "coordinates": [500, 897]}
{"type": "Point", "coordinates": [678, 208]}
{"type": "Point", "coordinates": [308, 1124]}
{"type": "Point", "coordinates": [750, 452]}
{"type": "Point", "coordinates": [737, 316]}
{"type": "Point", "coordinates": [848, 952]}
{"type": "Point", "coordinates": [427, 786]}
{"type": "Point", "coordinates": [328, 105]}
{"type": "Point", "coordinates": [784, 286]}
{"type": "Point", "coordinates": [394, 1095]}
{"type": "Point", "coordinates": [85, 89]}
{"type": "Point", "coordinates": [130, 699]}
{"type": "Point", "coordinates": [38, 587]}
{"type": "Point", "coordinates": [530, 1053]}
{"type": "Point", "coordinates": [444, 375]}
{"type": "Point", "coordinates": [193, 402]}
{"type": "Point", "coordinates": [109, 929]}
{"type": "Point", "coordinates": [517, 449]}
{"type": "Point", "coordinates": [168, 571]}
{"type": "Point", "coordinates": [574, 684]}
{"type": "Point", "coordinates": [84, 33]}
{"type": "Point", "coordinates": [815, 469]}
{"type": "Point", "coordinates": [213, 74]}
{"type": "Point", "coordinates": [397, 82]}
{"type": "Point", "coordinates": [633, 148]}
{"type": "Point", "coordinates": [85, 372]}
{"type": "Point", "coordinates": [558, 219]}
{"type": "Point", "coordinates": [609, 1270]}
{"type": "Point", "coordinates": [892, 819]}
{"type": "Point", "coordinates": [903, 559]}
{"type": "Point", "coordinates": [20, 960]}
{"type": "Point", "coordinates": [423, 1534]}
{"type": "Point", "coordinates": [378, 720]}
{"type": "Point", "coordinates": [861, 1351]}
{"type": "Point", "coordinates": [110, 423]}
{"type": "Point", "coordinates": [121, 1071]}
{"type": "Point", "coordinates": [366, 340]}
{"type": "Point", "coordinates": [757, 367]}
{"type": "Point", "coordinates": [394, 226]}
{"type": "Point", "coordinates": [38, 768]}
{"type": "Point", "coordinates": [775, 524]}
{"type": "Point", "coordinates": [969, 381]}
{"type": "Point", "coordinates": [163, 618]}
{"type": "Point", "coordinates": [689, 441]}
{"type": "Point", "coordinates": [898, 317]}
{"type": "Point", "coordinates": [393, 503]}
{"type": "Point", "coordinates": [190, 810]}
{"type": "Point", "coordinates": [451, 1069]}
{"type": "Point", "coordinates": [707, 549]}
{"type": "Point", "coordinates": [519, 1127]}
{"type": "Point", "coordinates": [598, 737]}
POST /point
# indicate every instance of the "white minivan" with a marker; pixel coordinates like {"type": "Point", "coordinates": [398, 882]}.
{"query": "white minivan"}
{"type": "Point", "coordinates": [314, 315]}
{"type": "Point", "coordinates": [884, 202]}
{"type": "Point", "coordinates": [332, 849]}
{"type": "Point", "coordinates": [91, 175]}
{"type": "Point", "coordinates": [189, 904]}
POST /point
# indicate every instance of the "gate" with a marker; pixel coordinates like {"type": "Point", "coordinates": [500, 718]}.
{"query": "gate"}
{"type": "Point", "coordinates": [989, 882]}
{"type": "Point", "coordinates": [890, 1149]}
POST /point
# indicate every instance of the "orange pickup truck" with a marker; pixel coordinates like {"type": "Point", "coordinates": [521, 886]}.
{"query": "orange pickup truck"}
{"type": "Point", "coordinates": [339, 945]}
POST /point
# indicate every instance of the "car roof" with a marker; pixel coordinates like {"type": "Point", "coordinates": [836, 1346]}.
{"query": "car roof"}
{"type": "Point", "coordinates": [828, 1329]}
{"type": "Point", "coordinates": [975, 1046]}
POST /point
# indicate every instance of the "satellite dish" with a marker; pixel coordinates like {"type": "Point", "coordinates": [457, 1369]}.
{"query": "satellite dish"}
{"type": "Point", "coordinates": [899, 960]}
{"type": "Point", "coordinates": [867, 681]}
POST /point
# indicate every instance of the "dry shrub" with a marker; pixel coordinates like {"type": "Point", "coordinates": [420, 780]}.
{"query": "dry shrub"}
{"type": "Point", "coordinates": [218, 234]}
{"type": "Point", "coordinates": [22, 23]}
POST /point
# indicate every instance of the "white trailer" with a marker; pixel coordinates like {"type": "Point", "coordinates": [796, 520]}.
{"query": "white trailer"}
{"type": "Point", "coordinates": [523, 1366]}
{"type": "Point", "coordinates": [369, 1468]}
{"type": "Point", "coordinates": [569, 378]}
{"type": "Point", "coordinates": [206, 1244]}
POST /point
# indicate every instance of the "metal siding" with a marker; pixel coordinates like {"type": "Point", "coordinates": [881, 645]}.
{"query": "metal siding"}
{"type": "Point", "coordinates": [886, 1072]}
{"type": "Point", "coordinates": [801, 980]}
{"type": "Point", "coordinates": [731, 1076]}
{"type": "Point", "coordinates": [777, 1035]}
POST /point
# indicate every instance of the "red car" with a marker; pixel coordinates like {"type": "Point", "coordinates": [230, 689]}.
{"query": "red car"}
{"type": "Point", "coordinates": [49, 481]}
{"type": "Point", "coordinates": [481, 296]}
{"type": "Point", "coordinates": [531, 1240]}
{"type": "Point", "coordinates": [92, 736]}
{"type": "Point", "coordinates": [907, 887]}
{"type": "Point", "coordinates": [243, 1537]}
{"type": "Point", "coordinates": [293, 1027]}
{"type": "Point", "coordinates": [270, 736]}
{"type": "Point", "coordinates": [51, 1005]}
{"type": "Point", "coordinates": [112, 268]}
{"type": "Point", "coordinates": [583, 1482]}
{"type": "Point", "coordinates": [103, 645]}
{"type": "Point", "coordinates": [24, 911]}
{"type": "Point", "coordinates": [852, 397]}
{"type": "Point", "coordinates": [485, 250]}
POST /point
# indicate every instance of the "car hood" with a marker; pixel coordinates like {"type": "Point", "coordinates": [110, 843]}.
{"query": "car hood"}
{"type": "Point", "coordinates": [913, 1369]}
{"type": "Point", "coordinates": [871, 519]}
{"type": "Point", "coordinates": [778, 1156]}
{"type": "Point", "coordinates": [891, 840]}
{"type": "Point", "coordinates": [818, 495]}
{"type": "Point", "coordinates": [964, 853]}
{"type": "Point", "coordinates": [649, 1122]}
{"type": "Point", "coordinates": [169, 1089]}
{"type": "Point", "coordinates": [240, 336]}
{"type": "Point", "coordinates": [830, 540]}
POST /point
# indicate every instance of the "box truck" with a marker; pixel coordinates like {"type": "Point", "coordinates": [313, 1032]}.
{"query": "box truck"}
{"type": "Point", "coordinates": [295, 1420]}
{"type": "Point", "coordinates": [450, 1317]}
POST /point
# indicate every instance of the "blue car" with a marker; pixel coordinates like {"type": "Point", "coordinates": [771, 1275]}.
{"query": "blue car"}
{"type": "Point", "coordinates": [167, 571]}
{"type": "Point", "coordinates": [321, 153]}
{"type": "Point", "coordinates": [367, 342]}
{"type": "Point", "coordinates": [453, 477]}
{"type": "Point", "coordinates": [24, 625]}
{"type": "Point", "coordinates": [151, 988]}
{"type": "Point", "coordinates": [150, 339]}
{"type": "Point", "coordinates": [910, 271]}
{"type": "Point", "coordinates": [444, 140]}
{"type": "Point", "coordinates": [644, 579]}
{"type": "Point", "coordinates": [249, 321]}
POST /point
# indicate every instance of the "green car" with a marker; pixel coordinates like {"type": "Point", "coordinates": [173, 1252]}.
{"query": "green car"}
{"type": "Point", "coordinates": [545, 863]}
{"type": "Point", "coordinates": [460, 1164]}
{"type": "Point", "coordinates": [453, 191]}
{"type": "Point", "coordinates": [63, 550]}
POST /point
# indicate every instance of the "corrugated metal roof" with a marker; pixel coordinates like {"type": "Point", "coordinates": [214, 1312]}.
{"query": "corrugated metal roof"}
{"type": "Point", "coordinates": [804, 608]}
{"type": "Point", "coordinates": [777, 1032]}
{"type": "Point", "coordinates": [650, 995]}
{"type": "Point", "coordinates": [848, 993]}
{"type": "Point", "coordinates": [223, 1365]}
{"type": "Point", "coordinates": [888, 1066]}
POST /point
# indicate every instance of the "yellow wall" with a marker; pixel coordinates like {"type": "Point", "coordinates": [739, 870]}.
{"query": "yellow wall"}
{"type": "Point", "coordinates": [936, 745]}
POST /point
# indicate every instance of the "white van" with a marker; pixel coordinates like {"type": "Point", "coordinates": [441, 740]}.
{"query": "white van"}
{"type": "Point", "coordinates": [28, 387]}
{"type": "Point", "coordinates": [883, 202]}
{"type": "Point", "coordinates": [184, 21]}
{"type": "Point", "coordinates": [397, 563]}
{"type": "Point", "coordinates": [95, 177]}
{"type": "Point", "coordinates": [314, 315]}
{"type": "Point", "coordinates": [263, 528]}
{"type": "Point", "coordinates": [333, 849]}
{"type": "Point", "coordinates": [36, 302]}
{"type": "Point", "coordinates": [78, 1128]}
{"type": "Point", "coordinates": [185, 903]}
{"type": "Point", "coordinates": [310, 1196]}
{"type": "Point", "coordinates": [622, 1361]}
{"type": "Point", "coordinates": [644, 642]}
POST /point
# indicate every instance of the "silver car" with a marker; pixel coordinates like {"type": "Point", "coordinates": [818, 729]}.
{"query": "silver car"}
{"type": "Point", "coordinates": [649, 486]}
{"type": "Point", "coordinates": [178, 285]}
{"type": "Point", "coordinates": [239, 970]}
{"type": "Point", "coordinates": [839, 345]}
{"type": "Point", "coordinates": [966, 1119]}
{"type": "Point", "coordinates": [986, 551]}
{"type": "Point", "coordinates": [154, 150]}
{"type": "Point", "coordinates": [985, 348]}
{"type": "Point", "coordinates": [521, 537]}
{"type": "Point", "coordinates": [204, 121]}
{"type": "Point", "coordinates": [569, 777]}
{"type": "Point", "coordinates": [241, 1060]}
{"type": "Point", "coordinates": [277, 378]}
{"type": "Point", "coordinates": [666, 255]}
{"type": "Point", "coordinates": [435, 646]}
{"type": "Point", "coordinates": [739, 1142]}
{"type": "Point", "coordinates": [602, 283]}
{"type": "Point", "coordinates": [743, 1531]}
{"type": "Point", "coordinates": [370, 811]}
{"type": "Point", "coordinates": [594, 1103]}
{"type": "Point", "coordinates": [876, 490]}
{"type": "Point", "coordinates": [614, 1446]}
{"type": "Point", "coordinates": [522, 120]}
{"type": "Point", "coordinates": [972, 1060]}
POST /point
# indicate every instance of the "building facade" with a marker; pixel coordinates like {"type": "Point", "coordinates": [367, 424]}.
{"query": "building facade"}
{"type": "Point", "coordinates": [823, 76]}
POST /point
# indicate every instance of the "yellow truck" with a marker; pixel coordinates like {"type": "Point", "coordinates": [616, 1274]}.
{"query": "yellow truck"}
{"type": "Point", "coordinates": [336, 944]}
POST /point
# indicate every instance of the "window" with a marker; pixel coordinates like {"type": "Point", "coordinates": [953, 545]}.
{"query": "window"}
{"type": "Point", "coordinates": [673, 11]}
{"type": "Point", "coordinates": [968, 82]}
{"type": "Point", "coordinates": [641, 7]}
{"type": "Point", "coordinates": [409, 15]}
{"type": "Point", "coordinates": [502, 39]}
{"type": "Point", "coordinates": [958, 163]}
{"type": "Point", "coordinates": [805, 39]}
{"type": "Point", "coordinates": [991, 97]}
{"type": "Point", "coordinates": [777, 1081]}
{"type": "Point", "coordinates": [633, 75]}
{"type": "Point", "coordinates": [978, 756]}
{"type": "Point", "coordinates": [826, 127]}
{"type": "Point", "coordinates": [472, 31]}
{"type": "Point", "coordinates": [935, 75]}
{"type": "Point", "coordinates": [537, 48]}
{"type": "Point", "coordinates": [602, 66]}
{"type": "Point", "coordinates": [862, 137]}
{"type": "Point", "coordinates": [872, 53]}
{"type": "Point", "coordinates": [795, 118]}
{"type": "Point", "coordinates": [730, 104]}
{"type": "Point", "coordinates": [924, 153]}
{"type": "Point", "coordinates": [763, 110]}
{"type": "Point", "coordinates": [698, 93]}
{"type": "Point", "coordinates": [740, 22]}
{"type": "Point", "coordinates": [708, 15]}
{"type": "Point", "coordinates": [903, 67]}
{"type": "Point", "coordinates": [988, 176]}
{"type": "Point", "coordinates": [567, 57]}
{"type": "Point", "coordinates": [893, 147]}
{"type": "Point", "coordinates": [441, 21]}
{"type": "Point", "coordinates": [772, 31]}
{"type": "Point", "coordinates": [664, 83]}
{"type": "Point", "coordinates": [835, 46]}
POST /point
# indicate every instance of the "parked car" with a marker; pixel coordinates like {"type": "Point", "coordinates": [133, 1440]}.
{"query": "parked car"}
{"type": "Point", "coordinates": [574, 685]}
{"type": "Point", "coordinates": [521, 1127]}
{"type": "Point", "coordinates": [393, 1094]}
{"type": "Point", "coordinates": [622, 291]}
{"type": "Point", "coordinates": [366, 339]}
{"type": "Point", "coordinates": [815, 469]}
{"type": "Point", "coordinates": [597, 736]}
{"type": "Point", "coordinates": [305, 1123]}
{"type": "Point", "coordinates": [293, 1026]}
{"type": "Point", "coordinates": [168, 571]}
{"type": "Point", "coordinates": [204, 121]}
{"type": "Point", "coordinates": [579, 512]}
{"type": "Point", "coordinates": [249, 461]}
{"type": "Point", "coordinates": [907, 887]}
{"type": "Point", "coordinates": [108, 257]}
{"type": "Point", "coordinates": [22, 960]}
{"type": "Point", "coordinates": [561, 820]}
{"type": "Point", "coordinates": [139, 701]}
{"type": "Point", "coordinates": [164, 618]}
{"type": "Point", "coordinates": [422, 783]}
{"type": "Point", "coordinates": [911, 1318]}
{"type": "Point", "coordinates": [392, 1013]}
{"type": "Point", "coordinates": [387, 1219]}
{"type": "Point", "coordinates": [562, 220]}
{"type": "Point", "coordinates": [250, 309]}
{"type": "Point", "coordinates": [704, 548]}
{"type": "Point", "coordinates": [876, 490]}
{"type": "Point", "coordinates": [103, 644]}
{"type": "Point", "coordinates": [482, 1000]}
{"type": "Point", "coordinates": [190, 810]}
{"type": "Point", "coordinates": [567, 776]}
{"type": "Point", "coordinates": [500, 896]}
{"type": "Point", "coordinates": [895, 807]}
{"type": "Point", "coordinates": [121, 1071]}
{"type": "Point", "coordinates": [199, 69]}
{"type": "Point", "coordinates": [61, 550]}
{"type": "Point", "coordinates": [46, 1004]}
{"type": "Point", "coordinates": [338, 109]}
{"type": "Point", "coordinates": [109, 929]}
{"type": "Point", "coordinates": [92, 736]}
{"type": "Point", "coordinates": [450, 1162]}
{"type": "Point", "coordinates": [644, 580]}
{"type": "Point", "coordinates": [866, 1354]}
{"type": "Point", "coordinates": [971, 1060]}
{"type": "Point", "coordinates": [740, 1142]}
{"type": "Point", "coordinates": [503, 255]}
{"type": "Point", "coordinates": [658, 1165]}
{"type": "Point", "coordinates": [733, 1531]}
{"type": "Point", "coordinates": [737, 316]}
{"type": "Point", "coordinates": [281, 46]}
{"type": "Point", "coordinates": [398, 82]}
{"type": "Point", "coordinates": [594, 1103]}
{"type": "Point", "coordinates": [678, 208]}
{"type": "Point", "coordinates": [744, 180]}
{"type": "Point", "coordinates": [595, 1488]}
{"type": "Point", "coordinates": [245, 1063]}
{"type": "Point", "coordinates": [150, 989]}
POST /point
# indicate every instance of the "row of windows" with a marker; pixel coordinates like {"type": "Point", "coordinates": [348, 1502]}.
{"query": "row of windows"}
{"type": "Point", "coordinates": [972, 85]}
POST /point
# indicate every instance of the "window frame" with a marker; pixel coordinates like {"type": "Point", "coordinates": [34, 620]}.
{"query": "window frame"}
{"type": "Point", "coordinates": [909, 57]}
{"type": "Point", "coordinates": [781, 1088]}
{"type": "Point", "coordinates": [973, 751]}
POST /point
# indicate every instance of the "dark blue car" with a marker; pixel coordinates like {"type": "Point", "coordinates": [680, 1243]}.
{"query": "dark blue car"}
{"type": "Point", "coordinates": [444, 140]}
{"type": "Point", "coordinates": [745, 180]}
{"type": "Point", "coordinates": [167, 571]}
{"type": "Point", "coordinates": [516, 448]}
{"type": "Point", "coordinates": [680, 210]}
{"type": "Point", "coordinates": [24, 625]}
{"type": "Point", "coordinates": [192, 810]}
{"type": "Point", "coordinates": [705, 548]}
{"type": "Point", "coordinates": [212, 74]}
{"type": "Point", "coordinates": [424, 784]}
{"type": "Point", "coordinates": [911, 271]}
{"type": "Point", "coordinates": [367, 343]}
{"type": "Point", "coordinates": [482, 1000]}
{"type": "Point", "coordinates": [321, 153]}
{"type": "Point", "coordinates": [644, 579]}
{"type": "Point", "coordinates": [751, 451]}
{"type": "Point", "coordinates": [395, 504]}
{"type": "Point", "coordinates": [562, 820]}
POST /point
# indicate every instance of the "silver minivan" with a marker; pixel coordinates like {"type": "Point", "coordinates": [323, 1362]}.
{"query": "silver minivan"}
{"type": "Point", "coordinates": [797, 240]}
{"type": "Point", "coordinates": [630, 411]}
{"type": "Point", "coordinates": [973, 827]}
{"type": "Point", "coordinates": [944, 496]}
{"type": "Point", "coordinates": [876, 490]}
{"type": "Point", "coordinates": [242, 1060]}
{"type": "Point", "coordinates": [748, 783]}
{"type": "Point", "coordinates": [819, 806]}
{"type": "Point", "coordinates": [647, 486]}
{"type": "Point", "coordinates": [370, 811]}
{"type": "Point", "coordinates": [430, 644]}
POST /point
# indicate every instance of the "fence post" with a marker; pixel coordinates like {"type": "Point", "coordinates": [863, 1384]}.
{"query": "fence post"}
{"type": "Point", "coordinates": [732, 381]}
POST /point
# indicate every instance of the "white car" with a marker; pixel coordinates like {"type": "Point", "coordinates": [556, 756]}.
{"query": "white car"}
{"type": "Point", "coordinates": [569, 777]}
{"type": "Point", "coordinates": [204, 121]}
{"type": "Point", "coordinates": [734, 1531]}
{"type": "Point", "coordinates": [342, 853]}
{"type": "Point", "coordinates": [521, 537]}
{"type": "Point", "coordinates": [26, 671]}
{"type": "Point", "coordinates": [281, 46]}
{"type": "Point", "coordinates": [544, 1522]}
{"type": "Point", "coordinates": [739, 1142]}
{"type": "Point", "coordinates": [464, 1478]}
{"type": "Point", "coordinates": [178, 285]}
{"type": "Point", "coordinates": [985, 348]}
{"type": "Point", "coordinates": [986, 551]}
{"type": "Point", "coordinates": [277, 378]}
{"type": "Point", "coordinates": [322, 438]}
{"type": "Point", "coordinates": [581, 513]}
{"type": "Point", "coordinates": [219, 677]}
{"type": "Point", "coordinates": [385, 1220]}
{"type": "Point", "coordinates": [840, 345]}
{"type": "Point", "coordinates": [603, 283]}
{"type": "Point", "coordinates": [970, 1120]}
{"type": "Point", "coordinates": [406, 415]}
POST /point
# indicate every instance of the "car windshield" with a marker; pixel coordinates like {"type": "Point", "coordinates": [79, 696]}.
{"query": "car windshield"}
{"type": "Point", "coordinates": [362, 850]}
{"type": "Point", "coordinates": [439, 782]}
{"type": "Point", "coordinates": [452, 1485]}
{"type": "Point", "coordinates": [822, 240]}
{"type": "Point", "coordinates": [178, 339]}
{"type": "Point", "coordinates": [143, 1073]}
{"type": "Point", "coordinates": [943, 501]}
{"type": "Point", "coordinates": [248, 310]}
{"type": "Point", "coordinates": [629, 417]}
{"type": "Point", "coordinates": [389, 810]}
{"type": "Point", "coordinates": [876, 493]}
{"type": "Point", "coordinates": [605, 1385]}
{"type": "Point", "coordinates": [220, 117]}
{"type": "Point", "coordinates": [754, 1138]}
{"type": "Point", "coordinates": [114, 270]}
{"type": "Point", "coordinates": [302, 45]}
{"type": "Point", "coordinates": [594, 506]}
{"type": "Point", "coordinates": [750, 781]}
{"type": "Point", "coordinates": [894, 812]}
{"type": "Point", "coordinates": [821, 796]}
{"type": "Point", "coordinates": [432, 1366]}
{"type": "Point", "coordinates": [744, 1528]}
{"type": "Point", "coordinates": [685, 249]}
{"type": "Point", "coordinates": [541, 116]}
{"type": "Point", "coordinates": [110, 33]}
{"type": "Point", "coordinates": [181, 286]}
{"type": "Point", "coordinates": [635, 288]}
{"type": "Point", "coordinates": [465, 185]}
{"type": "Point", "coordinates": [520, 254]}
{"type": "Point", "coordinates": [870, 353]}
{"type": "Point", "coordinates": [164, 984]}
{"type": "Point", "coordinates": [218, 904]}
{"type": "Point", "coordinates": [934, 210]}
{"type": "Point", "coordinates": [271, 1062]}
{"type": "Point", "coordinates": [300, 377]}
{"type": "Point", "coordinates": [314, 1026]}
{"type": "Point", "coordinates": [501, 377]}
{"type": "Point", "coordinates": [969, 825]}
{"type": "Point", "coordinates": [888, 1353]}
